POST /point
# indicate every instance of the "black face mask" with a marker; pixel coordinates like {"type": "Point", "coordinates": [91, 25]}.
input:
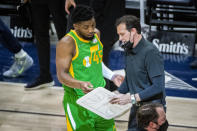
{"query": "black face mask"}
{"type": "Point", "coordinates": [164, 126]}
{"type": "Point", "coordinates": [126, 46]}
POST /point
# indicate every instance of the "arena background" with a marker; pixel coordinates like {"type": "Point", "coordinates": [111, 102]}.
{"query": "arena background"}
{"type": "Point", "coordinates": [170, 24]}
{"type": "Point", "coordinates": [174, 36]}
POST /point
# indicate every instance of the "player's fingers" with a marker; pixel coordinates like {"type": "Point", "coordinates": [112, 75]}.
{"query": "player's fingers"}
{"type": "Point", "coordinates": [73, 4]}
{"type": "Point", "coordinates": [90, 89]}
{"type": "Point", "coordinates": [87, 89]}
{"type": "Point", "coordinates": [89, 84]}
{"type": "Point", "coordinates": [67, 7]}
{"type": "Point", "coordinates": [67, 11]}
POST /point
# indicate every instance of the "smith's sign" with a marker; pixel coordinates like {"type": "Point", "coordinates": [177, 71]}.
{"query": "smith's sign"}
{"type": "Point", "coordinates": [173, 42]}
{"type": "Point", "coordinates": [21, 32]}
{"type": "Point", "coordinates": [171, 47]}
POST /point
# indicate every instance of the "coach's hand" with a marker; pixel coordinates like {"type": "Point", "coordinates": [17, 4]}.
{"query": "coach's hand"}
{"type": "Point", "coordinates": [86, 86]}
{"type": "Point", "coordinates": [121, 99]}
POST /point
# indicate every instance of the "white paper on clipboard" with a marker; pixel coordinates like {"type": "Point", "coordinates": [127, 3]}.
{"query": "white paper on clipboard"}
{"type": "Point", "coordinates": [97, 101]}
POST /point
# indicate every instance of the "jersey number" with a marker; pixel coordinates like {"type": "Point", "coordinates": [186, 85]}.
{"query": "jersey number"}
{"type": "Point", "coordinates": [95, 54]}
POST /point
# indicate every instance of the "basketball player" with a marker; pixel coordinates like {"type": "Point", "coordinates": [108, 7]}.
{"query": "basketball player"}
{"type": "Point", "coordinates": [80, 70]}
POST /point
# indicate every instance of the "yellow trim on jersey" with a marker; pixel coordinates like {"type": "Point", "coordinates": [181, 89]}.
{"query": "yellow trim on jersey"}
{"type": "Point", "coordinates": [81, 39]}
{"type": "Point", "coordinates": [69, 127]}
{"type": "Point", "coordinates": [114, 128]}
{"type": "Point", "coordinates": [94, 48]}
{"type": "Point", "coordinates": [76, 48]}
{"type": "Point", "coordinates": [99, 40]}
{"type": "Point", "coordinates": [71, 70]}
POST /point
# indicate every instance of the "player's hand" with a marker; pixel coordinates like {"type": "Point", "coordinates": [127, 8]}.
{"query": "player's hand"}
{"type": "Point", "coordinates": [121, 99]}
{"type": "Point", "coordinates": [86, 87]}
{"type": "Point", "coordinates": [68, 4]}
{"type": "Point", "coordinates": [117, 79]}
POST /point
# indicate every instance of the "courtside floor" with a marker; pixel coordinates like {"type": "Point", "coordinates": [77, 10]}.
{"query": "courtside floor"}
{"type": "Point", "coordinates": [42, 110]}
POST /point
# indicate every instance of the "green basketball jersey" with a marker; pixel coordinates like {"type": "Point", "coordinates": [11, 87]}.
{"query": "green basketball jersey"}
{"type": "Point", "coordinates": [86, 65]}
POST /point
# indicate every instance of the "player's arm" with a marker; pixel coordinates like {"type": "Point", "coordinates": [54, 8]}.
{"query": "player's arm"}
{"type": "Point", "coordinates": [116, 78]}
{"type": "Point", "coordinates": [107, 73]}
{"type": "Point", "coordinates": [65, 51]}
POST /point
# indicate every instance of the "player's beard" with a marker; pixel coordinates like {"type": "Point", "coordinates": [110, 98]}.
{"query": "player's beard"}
{"type": "Point", "coordinates": [86, 38]}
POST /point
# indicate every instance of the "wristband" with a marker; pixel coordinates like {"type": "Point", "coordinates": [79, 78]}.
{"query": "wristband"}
{"type": "Point", "coordinates": [133, 100]}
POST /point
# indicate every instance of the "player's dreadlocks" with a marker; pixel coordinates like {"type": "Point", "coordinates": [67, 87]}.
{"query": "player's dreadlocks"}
{"type": "Point", "coordinates": [82, 13]}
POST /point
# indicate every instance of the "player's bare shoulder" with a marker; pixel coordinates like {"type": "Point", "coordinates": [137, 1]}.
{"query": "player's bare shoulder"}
{"type": "Point", "coordinates": [66, 41]}
{"type": "Point", "coordinates": [66, 44]}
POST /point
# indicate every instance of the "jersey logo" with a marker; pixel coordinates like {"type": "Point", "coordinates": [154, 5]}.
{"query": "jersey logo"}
{"type": "Point", "coordinates": [94, 40]}
{"type": "Point", "coordinates": [87, 61]}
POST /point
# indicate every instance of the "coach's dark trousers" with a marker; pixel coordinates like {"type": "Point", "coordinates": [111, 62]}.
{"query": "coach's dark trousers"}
{"type": "Point", "coordinates": [41, 11]}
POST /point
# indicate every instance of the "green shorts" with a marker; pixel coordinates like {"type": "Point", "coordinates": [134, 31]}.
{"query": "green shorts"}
{"type": "Point", "coordinates": [81, 119]}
